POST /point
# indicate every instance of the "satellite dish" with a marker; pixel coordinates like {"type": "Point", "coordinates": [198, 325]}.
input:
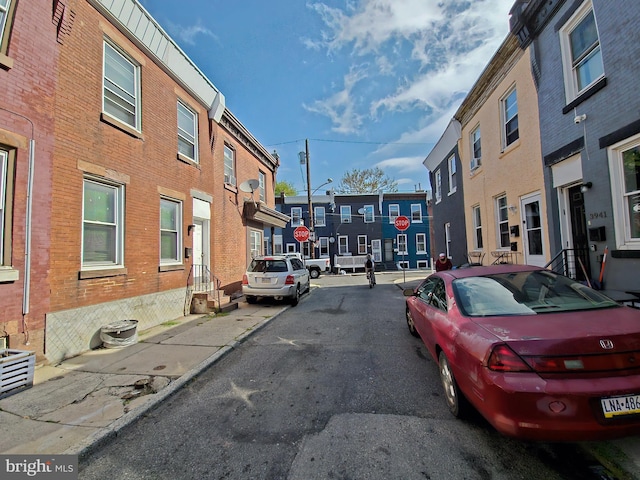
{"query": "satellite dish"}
{"type": "Point", "coordinates": [249, 186]}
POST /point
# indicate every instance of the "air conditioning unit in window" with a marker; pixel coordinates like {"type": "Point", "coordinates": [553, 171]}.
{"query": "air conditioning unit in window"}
{"type": "Point", "coordinates": [230, 179]}
{"type": "Point", "coordinates": [475, 163]}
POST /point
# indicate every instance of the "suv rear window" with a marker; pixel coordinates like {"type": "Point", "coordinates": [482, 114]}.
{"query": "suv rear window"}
{"type": "Point", "coordinates": [262, 266]}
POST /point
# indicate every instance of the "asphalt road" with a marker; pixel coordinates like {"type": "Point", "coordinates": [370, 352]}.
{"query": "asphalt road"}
{"type": "Point", "coordinates": [334, 388]}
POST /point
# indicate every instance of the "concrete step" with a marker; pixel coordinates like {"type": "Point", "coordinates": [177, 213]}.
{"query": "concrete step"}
{"type": "Point", "coordinates": [202, 302]}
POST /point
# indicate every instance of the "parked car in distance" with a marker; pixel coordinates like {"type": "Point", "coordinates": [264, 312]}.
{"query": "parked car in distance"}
{"type": "Point", "coordinates": [316, 266]}
{"type": "Point", "coordinates": [279, 277]}
{"type": "Point", "coordinates": [539, 355]}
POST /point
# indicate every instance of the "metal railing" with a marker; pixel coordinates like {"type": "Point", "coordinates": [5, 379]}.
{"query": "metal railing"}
{"type": "Point", "coordinates": [572, 263]}
{"type": "Point", "coordinates": [201, 280]}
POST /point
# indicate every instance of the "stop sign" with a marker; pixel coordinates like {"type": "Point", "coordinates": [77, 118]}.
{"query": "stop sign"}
{"type": "Point", "coordinates": [301, 233]}
{"type": "Point", "coordinates": [401, 223]}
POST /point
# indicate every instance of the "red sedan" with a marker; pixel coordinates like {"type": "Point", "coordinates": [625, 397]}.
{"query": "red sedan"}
{"type": "Point", "coordinates": [539, 355]}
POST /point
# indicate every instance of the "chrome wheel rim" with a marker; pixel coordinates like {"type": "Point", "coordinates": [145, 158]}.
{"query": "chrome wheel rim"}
{"type": "Point", "coordinates": [412, 325]}
{"type": "Point", "coordinates": [447, 382]}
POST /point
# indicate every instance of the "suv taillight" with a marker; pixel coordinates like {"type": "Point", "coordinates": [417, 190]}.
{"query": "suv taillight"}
{"type": "Point", "coordinates": [289, 280]}
{"type": "Point", "coordinates": [245, 280]}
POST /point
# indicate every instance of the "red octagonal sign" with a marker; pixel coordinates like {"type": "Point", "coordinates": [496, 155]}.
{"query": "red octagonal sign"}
{"type": "Point", "coordinates": [401, 223]}
{"type": "Point", "coordinates": [301, 233]}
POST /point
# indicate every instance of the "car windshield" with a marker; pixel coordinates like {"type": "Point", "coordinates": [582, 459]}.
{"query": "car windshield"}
{"type": "Point", "coordinates": [525, 293]}
{"type": "Point", "coordinates": [262, 266]}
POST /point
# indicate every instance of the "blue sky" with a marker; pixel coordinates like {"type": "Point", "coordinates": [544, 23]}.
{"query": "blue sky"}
{"type": "Point", "coordinates": [368, 82]}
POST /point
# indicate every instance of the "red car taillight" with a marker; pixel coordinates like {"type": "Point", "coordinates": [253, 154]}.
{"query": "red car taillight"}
{"type": "Point", "coordinates": [245, 280]}
{"type": "Point", "coordinates": [503, 359]}
{"type": "Point", "coordinates": [289, 280]}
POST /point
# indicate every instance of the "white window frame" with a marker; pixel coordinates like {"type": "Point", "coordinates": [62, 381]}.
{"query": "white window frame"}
{"type": "Point", "coordinates": [323, 246]}
{"type": "Point", "coordinates": [277, 244]}
{"type": "Point", "coordinates": [256, 242]}
{"type": "Point", "coordinates": [345, 213]}
{"type": "Point", "coordinates": [369, 214]}
{"type": "Point", "coordinates": [416, 213]}
{"type": "Point", "coordinates": [403, 265]}
{"type": "Point", "coordinates": [509, 116]}
{"type": "Point", "coordinates": [476, 215]}
{"type": "Point", "coordinates": [422, 264]}
{"type": "Point", "coordinates": [421, 243]}
{"type": "Point", "coordinates": [4, 168]}
{"type": "Point", "coordinates": [570, 69]}
{"type": "Point", "coordinates": [622, 198]}
{"type": "Point", "coordinates": [292, 247]}
{"type": "Point", "coordinates": [447, 238]}
{"type": "Point", "coordinates": [229, 165]}
{"type": "Point", "coordinates": [174, 230]}
{"type": "Point", "coordinates": [119, 103]}
{"type": "Point", "coordinates": [262, 181]}
{"type": "Point", "coordinates": [319, 217]}
{"type": "Point", "coordinates": [476, 148]}
{"type": "Point", "coordinates": [343, 245]}
{"type": "Point", "coordinates": [296, 216]}
{"type": "Point", "coordinates": [394, 212]}
{"type": "Point", "coordinates": [362, 245]}
{"type": "Point", "coordinates": [187, 132]}
{"type": "Point", "coordinates": [451, 163]}
{"type": "Point", "coordinates": [502, 221]}
{"type": "Point", "coordinates": [118, 225]}
{"type": "Point", "coordinates": [438, 185]}
{"type": "Point", "coordinates": [4, 15]}
{"type": "Point", "coordinates": [401, 242]}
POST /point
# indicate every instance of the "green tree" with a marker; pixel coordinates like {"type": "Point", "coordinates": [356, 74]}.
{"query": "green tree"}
{"type": "Point", "coordinates": [286, 187]}
{"type": "Point", "coordinates": [369, 180]}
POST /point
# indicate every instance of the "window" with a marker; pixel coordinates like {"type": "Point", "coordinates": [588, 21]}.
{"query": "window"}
{"type": "Point", "coordinates": [255, 242]}
{"type": "Point", "coordinates": [319, 217]}
{"type": "Point", "coordinates": [229, 165]}
{"type": "Point", "coordinates": [477, 227]}
{"type": "Point", "coordinates": [362, 244]}
{"type": "Point", "coordinates": [121, 87]}
{"type": "Point", "coordinates": [624, 161]}
{"type": "Point", "coordinates": [422, 264]}
{"type": "Point", "coordinates": [170, 231]}
{"type": "Point", "coordinates": [452, 174]}
{"type": "Point", "coordinates": [292, 247]}
{"type": "Point", "coordinates": [4, 179]}
{"type": "Point", "coordinates": [401, 240]}
{"type": "Point", "coordinates": [416, 213]}
{"type": "Point", "coordinates": [403, 265]}
{"type": "Point", "coordinates": [447, 238]}
{"type": "Point", "coordinates": [324, 246]}
{"type": "Point", "coordinates": [343, 245]}
{"type": "Point", "coordinates": [277, 244]}
{"type": "Point", "coordinates": [476, 149]}
{"type": "Point", "coordinates": [510, 118]}
{"type": "Point", "coordinates": [502, 212]}
{"type": "Point", "coordinates": [394, 212]}
{"type": "Point", "coordinates": [296, 216]}
{"type": "Point", "coordinates": [369, 214]}
{"type": "Point", "coordinates": [187, 132]}
{"type": "Point", "coordinates": [345, 213]}
{"type": "Point", "coordinates": [262, 180]}
{"type": "Point", "coordinates": [438, 185]}
{"type": "Point", "coordinates": [5, 23]}
{"type": "Point", "coordinates": [421, 243]}
{"type": "Point", "coordinates": [102, 224]}
{"type": "Point", "coordinates": [581, 55]}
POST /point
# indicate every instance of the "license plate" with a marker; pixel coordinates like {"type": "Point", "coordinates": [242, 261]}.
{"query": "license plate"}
{"type": "Point", "coordinates": [615, 406]}
{"type": "Point", "coordinates": [265, 280]}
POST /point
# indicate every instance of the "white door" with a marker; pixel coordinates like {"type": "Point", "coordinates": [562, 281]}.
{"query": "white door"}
{"type": "Point", "coordinates": [532, 230]}
{"type": "Point", "coordinates": [376, 250]}
{"type": "Point", "coordinates": [198, 246]}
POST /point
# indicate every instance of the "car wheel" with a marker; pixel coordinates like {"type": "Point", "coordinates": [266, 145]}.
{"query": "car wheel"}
{"type": "Point", "coordinates": [251, 299]}
{"type": "Point", "coordinates": [456, 401]}
{"type": "Point", "coordinates": [296, 297]}
{"type": "Point", "coordinates": [314, 273]}
{"type": "Point", "coordinates": [411, 324]}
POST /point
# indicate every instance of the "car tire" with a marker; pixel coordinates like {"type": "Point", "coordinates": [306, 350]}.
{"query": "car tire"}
{"type": "Point", "coordinates": [296, 296]}
{"type": "Point", "coordinates": [411, 324]}
{"type": "Point", "coordinates": [314, 273]}
{"type": "Point", "coordinates": [456, 401]}
{"type": "Point", "coordinates": [251, 299]}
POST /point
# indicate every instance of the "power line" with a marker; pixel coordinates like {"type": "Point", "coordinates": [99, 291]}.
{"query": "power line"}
{"type": "Point", "coordinates": [348, 141]}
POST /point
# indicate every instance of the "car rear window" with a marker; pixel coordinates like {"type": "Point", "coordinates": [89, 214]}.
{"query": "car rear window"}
{"type": "Point", "coordinates": [525, 293]}
{"type": "Point", "coordinates": [262, 266]}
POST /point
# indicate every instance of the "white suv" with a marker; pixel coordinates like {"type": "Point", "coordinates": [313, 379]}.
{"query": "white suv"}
{"type": "Point", "coordinates": [277, 277]}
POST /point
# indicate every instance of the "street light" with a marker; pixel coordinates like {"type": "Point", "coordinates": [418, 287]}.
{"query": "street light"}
{"type": "Point", "coordinates": [329, 180]}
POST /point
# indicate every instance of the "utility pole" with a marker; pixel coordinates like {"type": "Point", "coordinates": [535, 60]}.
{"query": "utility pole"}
{"type": "Point", "coordinates": [312, 234]}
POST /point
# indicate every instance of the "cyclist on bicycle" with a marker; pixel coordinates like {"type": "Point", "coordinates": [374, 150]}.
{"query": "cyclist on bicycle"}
{"type": "Point", "coordinates": [369, 268]}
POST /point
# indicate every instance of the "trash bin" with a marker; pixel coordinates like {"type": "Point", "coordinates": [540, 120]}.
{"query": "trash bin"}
{"type": "Point", "coordinates": [119, 334]}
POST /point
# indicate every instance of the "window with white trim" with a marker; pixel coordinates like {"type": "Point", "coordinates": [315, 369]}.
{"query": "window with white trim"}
{"type": "Point", "coordinates": [255, 242]}
{"type": "Point", "coordinates": [403, 265]}
{"type": "Point", "coordinates": [401, 241]}
{"type": "Point", "coordinates": [323, 243]}
{"type": "Point", "coordinates": [368, 216]}
{"type": "Point", "coordinates": [502, 222]}
{"type": "Point", "coordinates": [438, 185]}
{"type": "Point", "coordinates": [4, 179]}
{"type": "Point", "coordinates": [262, 181]}
{"type": "Point", "coordinates": [452, 174]}
{"type": "Point", "coordinates": [229, 165]}
{"type": "Point", "coordinates": [345, 213]}
{"type": "Point", "coordinates": [292, 247]}
{"type": "Point", "coordinates": [362, 244]}
{"type": "Point", "coordinates": [477, 228]}
{"type": "Point", "coordinates": [343, 245]}
{"type": "Point", "coordinates": [277, 244]}
{"type": "Point", "coordinates": [5, 23]}
{"type": "Point", "coordinates": [394, 212]}
{"type": "Point", "coordinates": [102, 224]}
{"type": "Point", "coordinates": [319, 217]}
{"type": "Point", "coordinates": [187, 132]}
{"type": "Point", "coordinates": [581, 56]}
{"type": "Point", "coordinates": [421, 243]}
{"type": "Point", "coordinates": [510, 130]}
{"type": "Point", "coordinates": [624, 164]}
{"type": "Point", "coordinates": [170, 231]}
{"type": "Point", "coordinates": [121, 87]}
{"type": "Point", "coordinates": [416, 213]}
{"type": "Point", "coordinates": [422, 264]}
{"type": "Point", "coordinates": [296, 216]}
{"type": "Point", "coordinates": [447, 238]}
{"type": "Point", "coordinates": [476, 149]}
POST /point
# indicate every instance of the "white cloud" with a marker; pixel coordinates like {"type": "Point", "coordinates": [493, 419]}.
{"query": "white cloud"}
{"type": "Point", "coordinates": [188, 34]}
{"type": "Point", "coordinates": [402, 164]}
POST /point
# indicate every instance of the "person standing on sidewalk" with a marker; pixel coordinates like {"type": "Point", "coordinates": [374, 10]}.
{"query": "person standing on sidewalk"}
{"type": "Point", "coordinates": [443, 263]}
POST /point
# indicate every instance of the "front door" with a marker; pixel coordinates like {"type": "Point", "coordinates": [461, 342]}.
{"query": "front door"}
{"type": "Point", "coordinates": [388, 250]}
{"type": "Point", "coordinates": [579, 232]}
{"type": "Point", "coordinates": [198, 250]}
{"type": "Point", "coordinates": [533, 232]}
{"type": "Point", "coordinates": [376, 250]}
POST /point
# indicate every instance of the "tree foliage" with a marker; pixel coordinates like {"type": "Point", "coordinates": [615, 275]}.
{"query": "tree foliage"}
{"type": "Point", "coordinates": [286, 187]}
{"type": "Point", "coordinates": [369, 180]}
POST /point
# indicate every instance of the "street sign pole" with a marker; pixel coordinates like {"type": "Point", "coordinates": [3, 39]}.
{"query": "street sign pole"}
{"type": "Point", "coordinates": [402, 223]}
